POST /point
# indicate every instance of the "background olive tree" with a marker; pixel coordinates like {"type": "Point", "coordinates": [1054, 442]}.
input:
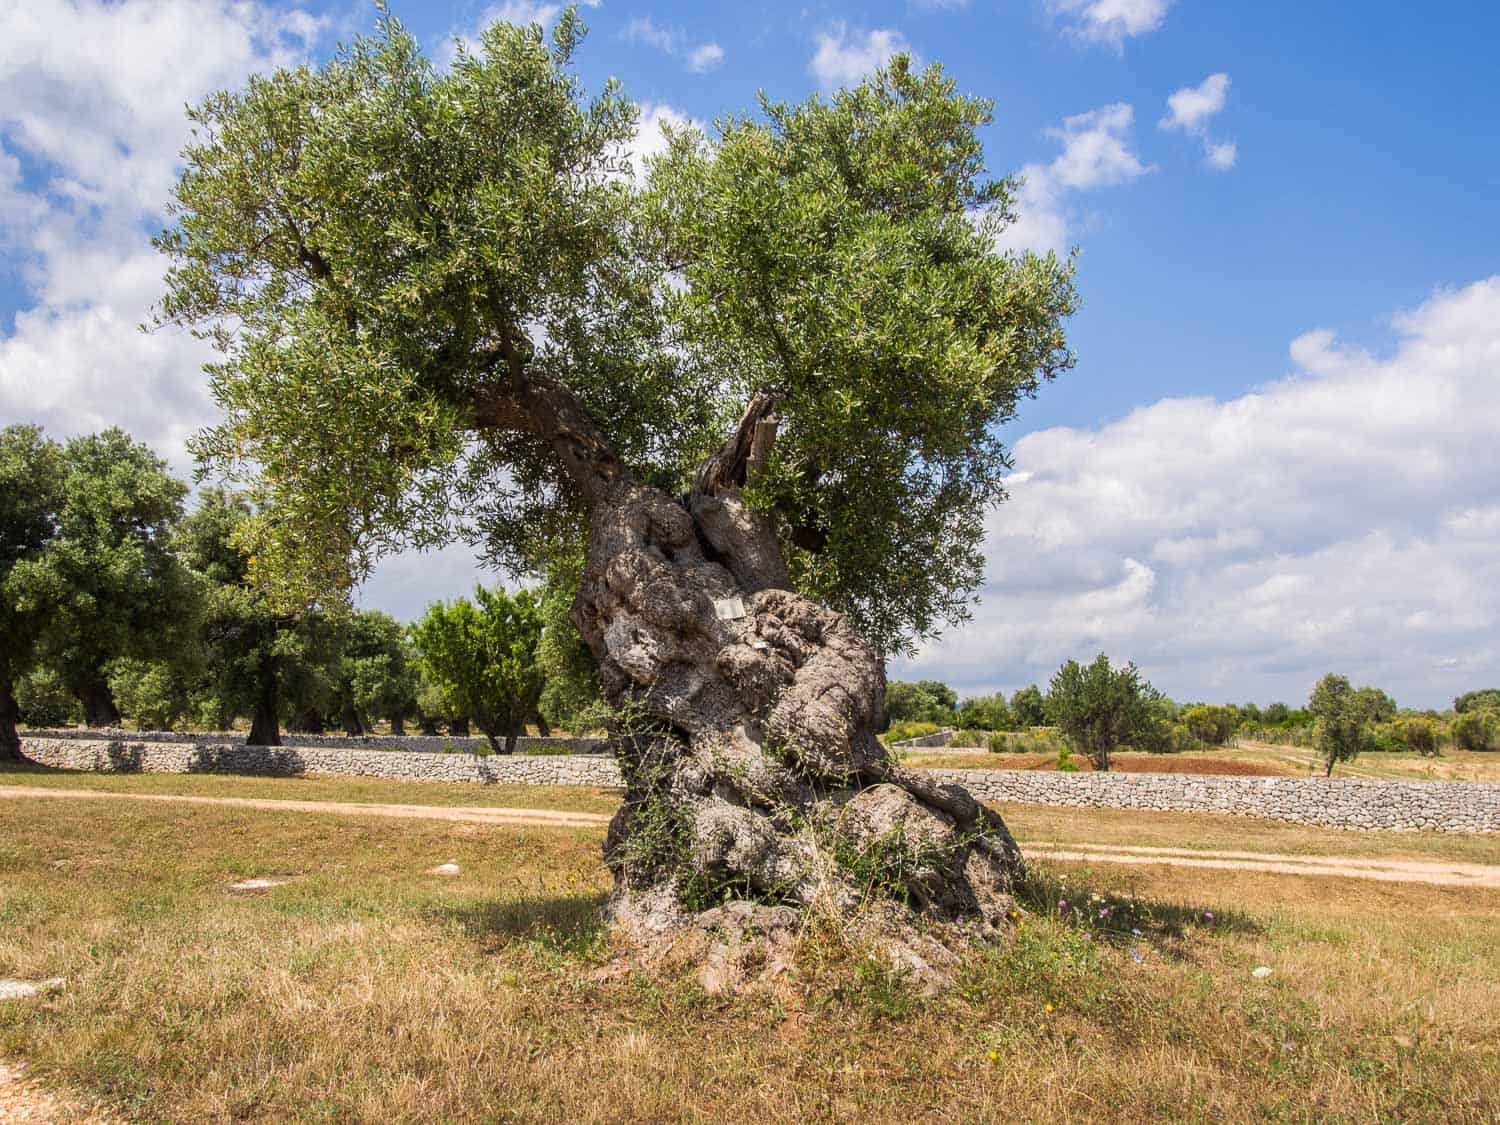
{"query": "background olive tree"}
{"type": "Point", "coordinates": [483, 654]}
{"type": "Point", "coordinates": [1100, 708]}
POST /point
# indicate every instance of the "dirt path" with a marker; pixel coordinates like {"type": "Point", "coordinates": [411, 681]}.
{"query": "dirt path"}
{"type": "Point", "coordinates": [1437, 872]}
{"type": "Point", "coordinates": [23, 1100]}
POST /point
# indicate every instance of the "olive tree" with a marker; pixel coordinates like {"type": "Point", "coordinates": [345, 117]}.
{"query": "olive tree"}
{"type": "Point", "coordinates": [758, 389]}
{"type": "Point", "coordinates": [1100, 708]}
{"type": "Point", "coordinates": [1343, 717]}
{"type": "Point", "coordinates": [32, 472]}
{"type": "Point", "coordinates": [109, 582]}
{"type": "Point", "coordinates": [484, 658]}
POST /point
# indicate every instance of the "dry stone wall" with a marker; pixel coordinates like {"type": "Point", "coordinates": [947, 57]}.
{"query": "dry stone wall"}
{"type": "Point", "coordinates": [1398, 806]}
{"type": "Point", "coordinates": [137, 756]}
{"type": "Point", "coordinates": [1389, 806]}
{"type": "Point", "coordinates": [433, 743]}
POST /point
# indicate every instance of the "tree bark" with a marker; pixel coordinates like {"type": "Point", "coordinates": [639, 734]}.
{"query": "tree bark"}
{"type": "Point", "coordinates": [353, 725]}
{"type": "Point", "coordinates": [752, 767]}
{"type": "Point", "coordinates": [265, 722]}
{"type": "Point", "coordinates": [398, 724]}
{"type": "Point", "coordinates": [10, 715]}
{"type": "Point", "coordinates": [512, 733]}
{"type": "Point", "coordinates": [459, 728]}
{"type": "Point", "coordinates": [99, 710]}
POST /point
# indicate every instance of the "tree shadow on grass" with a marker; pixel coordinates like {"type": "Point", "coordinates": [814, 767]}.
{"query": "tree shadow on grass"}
{"type": "Point", "coordinates": [1110, 917]}
{"type": "Point", "coordinates": [572, 924]}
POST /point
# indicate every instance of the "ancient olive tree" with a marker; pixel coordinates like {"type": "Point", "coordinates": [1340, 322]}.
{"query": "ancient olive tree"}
{"type": "Point", "coordinates": [757, 389]}
{"type": "Point", "coordinates": [32, 472]}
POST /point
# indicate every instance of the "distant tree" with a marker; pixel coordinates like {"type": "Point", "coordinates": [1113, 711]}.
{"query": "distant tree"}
{"type": "Point", "coordinates": [109, 581]}
{"type": "Point", "coordinates": [1275, 714]}
{"type": "Point", "coordinates": [1379, 706]}
{"type": "Point", "coordinates": [259, 662]}
{"type": "Point", "coordinates": [44, 701]}
{"type": "Point", "coordinates": [374, 672]}
{"type": "Point", "coordinates": [1100, 708]}
{"type": "Point", "coordinates": [1029, 707]}
{"type": "Point", "coordinates": [1250, 713]}
{"type": "Point", "coordinates": [925, 701]}
{"type": "Point", "coordinates": [1420, 736]}
{"type": "Point", "coordinates": [986, 712]}
{"type": "Point", "coordinates": [156, 694]}
{"type": "Point", "coordinates": [484, 656]}
{"type": "Point", "coordinates": [570, 691]}
{"type": "Point", "coordinates": [1211, 724]}
{"type": "Point", "coordinates": [1487, 699]}
{"type": "Point", "coordinates": [32, 475]}
{"type": "Point", "coordinates": [1474, 729]}
{"type": "Point", "coordinates": [1343, 721]}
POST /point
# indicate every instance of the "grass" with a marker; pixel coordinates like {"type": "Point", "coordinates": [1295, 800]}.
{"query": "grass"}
{"type": "Point", "coordinates": [368, 990]}
{"type": "Point", "coordinates": [577, 798]}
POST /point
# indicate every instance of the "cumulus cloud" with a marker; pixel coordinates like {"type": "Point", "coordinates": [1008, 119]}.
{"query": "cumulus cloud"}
{"type": "Point", "coordinates": [1096, 152]}
{"type": "Point", "coordinates": [699, 58]}
{"type": "Point", "coordinates": [1340, 519]}
{"type": "Point", "coordinates": [1110, 22]}
{"type": "Point", "coordinates": [91, 98]}
{"type": "Point", "coordinates": [845, 56]}
{"type": "Point", "coordinates": [1190, 110]}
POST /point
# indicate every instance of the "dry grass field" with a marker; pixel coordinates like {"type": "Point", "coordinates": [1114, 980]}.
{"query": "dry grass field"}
{"type": "Point", "coordinates": [367, 989]}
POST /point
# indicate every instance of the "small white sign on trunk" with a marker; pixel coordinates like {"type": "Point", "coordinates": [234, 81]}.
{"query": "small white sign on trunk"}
{"type": "Point", "coordinates": [731, 608]}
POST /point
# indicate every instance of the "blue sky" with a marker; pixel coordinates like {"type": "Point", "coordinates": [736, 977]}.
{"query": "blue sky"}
{"type": "Point", "coordinates": [1276, 455]}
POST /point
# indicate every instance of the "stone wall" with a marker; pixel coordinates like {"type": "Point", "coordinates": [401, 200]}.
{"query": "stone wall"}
{"type": "Point", "coordinates": [135, 756]}
{"type": "Point", "coordinates": [1392, 806]}
{"type": "Point", "coordinates": [431, 743]}
{"type": "Point", "coordinates": [1400, 806]}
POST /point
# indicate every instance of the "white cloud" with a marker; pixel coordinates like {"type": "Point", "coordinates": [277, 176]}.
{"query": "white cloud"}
{"type": "Point", "coordinates": [522, 13]}
{"type": "Point", "coordinates": [1191, 107]}
{"type": "Point", "coordinates": [698, 58]}
{"type": "Point", "coordinates": [92, 95]}
{"type": "Point", "coordinates": [845, 56]}
{"type": "Point", "coordinates": [705, 57]}
{"type": "Point", "coordinates": [1110, 22]}
{"type": "Point", "coordinates": [1340, 519]}
{"type": "Point", "coordinates": [1190, 110]}
{"type": "Point", "coordinates": [1096, 152]}
{"type": "Point", "coordinates": [1221, 155]}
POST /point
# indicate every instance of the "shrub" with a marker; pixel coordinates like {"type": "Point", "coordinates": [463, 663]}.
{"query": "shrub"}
{"type": "Point", "coordinates": [1474, 730]}
{"type": "Point", "coordinates": [1390, 738]}
{"type": "Point", "coordinates": [1421, 736]}
{"type": "Point", "coordinates": [45, 702]}
{"type": "Point", "coordinates": [1211, 725]}
{"type": "Point", "coordinates": [900, 732]}
{"type": "Point", "coordinates": [1065, 762]}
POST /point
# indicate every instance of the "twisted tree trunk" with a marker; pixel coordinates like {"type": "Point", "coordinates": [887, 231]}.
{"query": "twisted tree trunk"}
{"type": "Point", "coordinates": [10, 715]}
{"type": "Point", "coordinates": [755, 776]}
{"type": "Point", "coordinates": [99, 710]}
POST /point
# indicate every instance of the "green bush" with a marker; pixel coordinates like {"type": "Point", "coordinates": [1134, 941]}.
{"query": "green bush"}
{"type": "Point", "coordinates": [900, 732]}
{"type": "Point", "coordinates": [1474, 730]}
{"type": "Point", "coordinates": [1390, 738]}
{"type": "Point", "coordinates": [1065, 762]}
{"type": "Point", "coordinates": [1421, 737]}
{"type": "Point", "coordinates": [1212, 725]}
{"type": "Point", "coordinates": [45, 702]}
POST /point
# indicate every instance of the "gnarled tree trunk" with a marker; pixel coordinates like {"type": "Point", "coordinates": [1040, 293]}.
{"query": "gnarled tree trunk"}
{"type": "Point", "coordinates": [756, 776]}
{"type": "Point", "coordinates": [99, 710]}
{"type": "Point", "coordinates": [10, 715]}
